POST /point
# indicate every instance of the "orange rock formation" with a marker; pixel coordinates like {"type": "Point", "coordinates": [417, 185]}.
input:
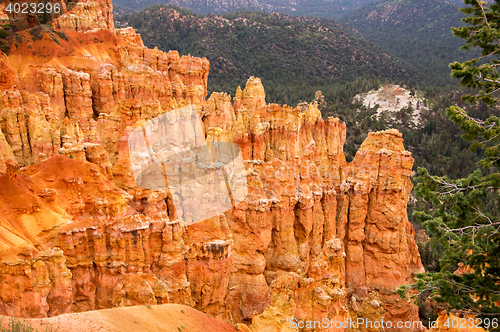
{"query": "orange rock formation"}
{"type": "Point", "coordinates": [131, 319]}
{"type": "Point", "coordinates": [316, 238]}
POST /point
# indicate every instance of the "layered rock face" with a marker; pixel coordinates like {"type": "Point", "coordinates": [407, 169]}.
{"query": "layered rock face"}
{"type": "Point", "coordinates": [316, 238]}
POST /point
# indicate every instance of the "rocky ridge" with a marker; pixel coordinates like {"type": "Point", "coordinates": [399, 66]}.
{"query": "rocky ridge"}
{"type": "Point", "coordinates": [315, 238]}
{"type": "Point", "coordinates": [320, 8]}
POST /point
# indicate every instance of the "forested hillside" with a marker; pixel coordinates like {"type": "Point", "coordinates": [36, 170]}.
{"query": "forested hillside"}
{"type": "Point", "coordinates": [418, 32]}
{"type": "Point", "coordinates": [294, 56]}
{"type": "Point", "coordinates": [318, 8]}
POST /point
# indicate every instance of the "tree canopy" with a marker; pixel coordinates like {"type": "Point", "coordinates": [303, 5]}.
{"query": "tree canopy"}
{"type": "Point", "coordinates": [464, 217]}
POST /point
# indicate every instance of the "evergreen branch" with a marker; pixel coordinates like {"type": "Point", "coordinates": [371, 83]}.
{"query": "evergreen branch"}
{"type": "Point", "coordinates": [484, 15]}
{"type": "Point", "coordinates": [491, 81]}
{"type": "Point", "coordinates": [494, 137]}
{"type": "Point", "coordinates": [479, 122]}
{"type": "Point", "coordinates": [481, 57]}
{"type": "Point", "coordinates": [454, 188]}
{"type": "Point", "coordinates": [472, 313]}
{"type": "Point", "coordinates": [474, 227]}
{"type": "Point", "coordinates": [486, 217]}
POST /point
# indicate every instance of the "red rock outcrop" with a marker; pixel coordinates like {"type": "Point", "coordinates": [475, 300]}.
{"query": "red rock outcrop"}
{"type": "Point", "coordinates": [316, 238]}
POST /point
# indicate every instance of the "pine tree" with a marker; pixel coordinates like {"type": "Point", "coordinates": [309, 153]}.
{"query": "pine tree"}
{"type": "Point", "coordinates": [465, 216]}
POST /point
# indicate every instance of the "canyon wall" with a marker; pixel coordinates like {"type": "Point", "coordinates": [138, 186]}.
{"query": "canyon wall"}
{"type": "Point", "coordinates": [316, 238]}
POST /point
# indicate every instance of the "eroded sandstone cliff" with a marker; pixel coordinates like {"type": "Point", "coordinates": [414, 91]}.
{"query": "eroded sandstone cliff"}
{"type": "Point", "coordinates": [316, 238]}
